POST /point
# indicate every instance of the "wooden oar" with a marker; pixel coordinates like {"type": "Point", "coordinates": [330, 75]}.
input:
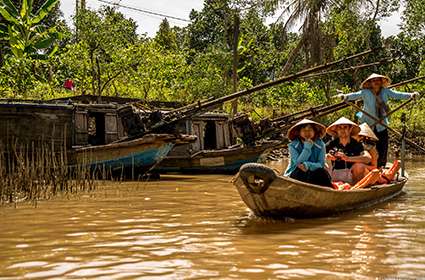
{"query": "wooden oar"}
{"type": "Point", "coordinates": [410, 142]}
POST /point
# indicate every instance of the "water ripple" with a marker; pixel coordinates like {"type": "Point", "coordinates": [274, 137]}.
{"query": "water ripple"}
{"type": "Point", "coordinates": [198, 227]}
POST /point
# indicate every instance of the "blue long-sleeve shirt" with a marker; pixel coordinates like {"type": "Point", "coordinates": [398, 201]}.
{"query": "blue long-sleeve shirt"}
{"type": "Point", "coordinates": [369, 104]}
{"type": "Point", "coordinates": [311, 155]}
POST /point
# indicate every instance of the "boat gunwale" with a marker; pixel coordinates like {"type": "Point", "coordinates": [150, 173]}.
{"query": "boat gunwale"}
{"type": "Point", "coordinates": [147, 139]}
{"type": "Point", "coordinates": [318, 210]}
{"type": "Point", "coordinates": [328, 189]}
{"type": "Point", "coordinates": [259, 147]}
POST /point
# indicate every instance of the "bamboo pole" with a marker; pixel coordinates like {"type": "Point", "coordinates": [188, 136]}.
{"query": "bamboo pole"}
{"type": "Point", "coordinates": [351, 68]}
{"type": "Point", "coordinates": [202, 106]}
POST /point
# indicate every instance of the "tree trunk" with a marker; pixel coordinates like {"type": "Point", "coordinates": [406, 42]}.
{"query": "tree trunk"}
{"type": "Point", "coordinates": [376, 10]}
{"type": "Point", "coordinates": [328, 91]}
{"type": "Point", "coordinates": [292, 56]}
{"type": "Point", "coordinates": [99, 81]}
{"type": "Point", "coordinates": [236, 23]}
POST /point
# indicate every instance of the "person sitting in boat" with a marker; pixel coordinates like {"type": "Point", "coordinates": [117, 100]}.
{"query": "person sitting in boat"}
{"type": "Point", "coordinates": [307, 153]}
{"type": "Point", "coordinates": [375, 95]}
{"type": "Point", "coordinates": [348, 158]}
{"type": "Point", "coordinates": [369, 140]}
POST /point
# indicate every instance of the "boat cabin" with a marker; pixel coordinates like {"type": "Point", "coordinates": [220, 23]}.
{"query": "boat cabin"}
{"type": "Point", "coordinates": [59, 125]}
{"type": "Point", "coordinates": [213, 131]}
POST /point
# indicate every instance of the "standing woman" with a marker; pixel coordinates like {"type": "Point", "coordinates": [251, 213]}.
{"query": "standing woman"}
{"type": "Point", "coordinates": [375, 95]}
{"type": "Point", "coordinates": [307, 153]}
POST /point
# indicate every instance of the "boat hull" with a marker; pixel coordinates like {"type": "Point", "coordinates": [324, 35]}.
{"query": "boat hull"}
{"type": "Point", "coordinates": [223, 161]}
{"type": "Point", "coordinates": [285, 197]}
{"type": "Point", "coordinates": [136, 156]}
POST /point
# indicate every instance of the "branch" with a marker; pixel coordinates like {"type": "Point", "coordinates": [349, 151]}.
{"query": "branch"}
{"type": "Point", "coordinates": [110, 80]}
{"type": "Point", "coordinates": [376, 10]}
{"type": "Point", "coordinates": [99, 82]}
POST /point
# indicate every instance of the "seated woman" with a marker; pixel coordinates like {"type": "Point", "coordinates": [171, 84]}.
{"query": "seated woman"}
{"type": "Point", "coordinates": [307, 153]}
{"type": "Point", "coordinates": [348, 157]}
{"type": "Point", "coordinates": [368, 138]}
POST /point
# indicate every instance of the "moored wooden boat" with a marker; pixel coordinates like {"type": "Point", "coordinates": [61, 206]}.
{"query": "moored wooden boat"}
{"type": "Point", "coordinates": [215, 149]}
{"type": "Point", "coordinates": [129, 157]}
{"type": "Point", "coordinates": [91, 135]}
{"type": "Point", "coordinates": [223, 161]}
{"type": "Point", "coordinates": [268, 194]}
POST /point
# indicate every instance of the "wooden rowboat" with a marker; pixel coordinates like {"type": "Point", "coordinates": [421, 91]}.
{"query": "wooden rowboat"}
{"type": "Point", "coordinates": [270, 195]}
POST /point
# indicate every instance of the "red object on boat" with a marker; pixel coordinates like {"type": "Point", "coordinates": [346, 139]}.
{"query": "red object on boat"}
{"type": "Point", "coordinates": [339, 185]}
{"type": "Point", "coordinates": [69, 84]}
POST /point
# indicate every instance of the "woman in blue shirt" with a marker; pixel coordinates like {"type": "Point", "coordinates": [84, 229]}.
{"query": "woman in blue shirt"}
{"type": "Point", "coordinates": [375, 96]}
{"type": "Point", "coordinates": [307, 153]}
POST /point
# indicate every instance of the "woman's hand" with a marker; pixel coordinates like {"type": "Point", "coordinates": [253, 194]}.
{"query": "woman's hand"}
{"type": "Point", "coordinates": [302, 167]}
{"type": "Point", "coordinates": [342, 156]}
{"type": "Point", "coordinates": [415, 95]}
{"type": "Point", "coordinates": [330, 157]}
{"type": "Point", "coordinates": [310, 141]}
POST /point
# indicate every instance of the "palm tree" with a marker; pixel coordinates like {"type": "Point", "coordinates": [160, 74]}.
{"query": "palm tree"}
{"type": "Point", "coordinates": [312, 12]}
{"type": "Point", "coordinates": [309, 12]}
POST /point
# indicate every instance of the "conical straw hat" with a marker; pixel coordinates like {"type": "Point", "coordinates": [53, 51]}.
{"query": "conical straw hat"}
{"type": "Point", "coordinates": [331, 130]}
{"type": "Point", "coordinates": [294, 131]}
{"type": "Point", "coordinates": [386, 81]}
{"type": "Point", "coordinates": [366, 131]}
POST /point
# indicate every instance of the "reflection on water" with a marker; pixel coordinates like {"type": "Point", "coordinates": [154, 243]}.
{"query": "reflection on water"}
{"type": "Point", "coordinates": [197, 227]}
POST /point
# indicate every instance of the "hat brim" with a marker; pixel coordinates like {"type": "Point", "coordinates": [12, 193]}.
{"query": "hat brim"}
{"type": "Point", "coordinates": [366, 131]}
{"type": "Point", "coordinates": [294, 131]}
{"type": "Point", "coordinates": [386, 81]}
{"type": "Point", "coordinates": [331, 130]}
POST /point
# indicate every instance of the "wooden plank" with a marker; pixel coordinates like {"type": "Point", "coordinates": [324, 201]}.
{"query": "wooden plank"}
{"type": "Point", "coordinates": [81, 128]}
{"type": "Point", "coordinates": [198, 130]}
{"type": "Point", "coordinates": [111, 127]}
{"type": "Point", "coordinates": [219, 132]}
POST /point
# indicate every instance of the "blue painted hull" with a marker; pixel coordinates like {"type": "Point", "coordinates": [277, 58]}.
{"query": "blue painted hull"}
{"type": "Point", "coordinates": [134, 157]}
{"type": "Point", "coordinates": [141, 161]}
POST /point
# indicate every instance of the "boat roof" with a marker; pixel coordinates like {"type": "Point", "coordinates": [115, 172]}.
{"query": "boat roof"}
{"type": "Point", "coordinates": [21, 104]}
{"type": "Point", "coordinates": [82, 102]}
{"type": "Point", "coordinates": [92, 99]}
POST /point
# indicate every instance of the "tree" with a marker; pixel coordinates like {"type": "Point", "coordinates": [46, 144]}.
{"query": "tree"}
{"type": "Point", "coordinates": [103, 38]}
{"type": "Point", "coordinates": [208, 27]}
{"type": "Point", "coordinates": [25, 33]}
{"type": "Point", "coordinates": [166, 37]}
{"type": "Point", "coordinates": [414, 17]}
{"type": "Point", "coordinates": [407, 65]}
{"type": "Point", "coordinates": [314, 12]}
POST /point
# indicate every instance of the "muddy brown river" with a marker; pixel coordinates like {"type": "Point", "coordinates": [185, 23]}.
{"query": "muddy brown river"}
{"type": "Point", "coordinates": [197, 227]}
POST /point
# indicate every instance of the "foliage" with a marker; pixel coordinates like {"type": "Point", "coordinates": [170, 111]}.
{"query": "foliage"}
{"type": "Point", "coordinates": [105, 56]}
{"type": "Point", "coordinates": [165, 37]}
{"type": "Point", "coordinates": [414, 17]}
{"type": "Point", "coordinates": [25, 34]}
{"type": "Point", "coordinates": [102, 40]}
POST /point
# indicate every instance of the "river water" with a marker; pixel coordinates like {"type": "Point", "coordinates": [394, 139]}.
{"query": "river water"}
{"type": "Point", "coordinates": [197, 227]}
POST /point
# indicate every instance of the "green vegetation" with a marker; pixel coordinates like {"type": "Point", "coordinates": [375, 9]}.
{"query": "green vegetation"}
{"type": "Point", "coordinates": [226, 46]}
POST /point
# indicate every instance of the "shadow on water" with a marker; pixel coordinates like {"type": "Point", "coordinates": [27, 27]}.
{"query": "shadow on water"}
{"type": "Point", "coordinates": [249, 223]}
{"type": "Point", "coordinates": [178, 177]}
